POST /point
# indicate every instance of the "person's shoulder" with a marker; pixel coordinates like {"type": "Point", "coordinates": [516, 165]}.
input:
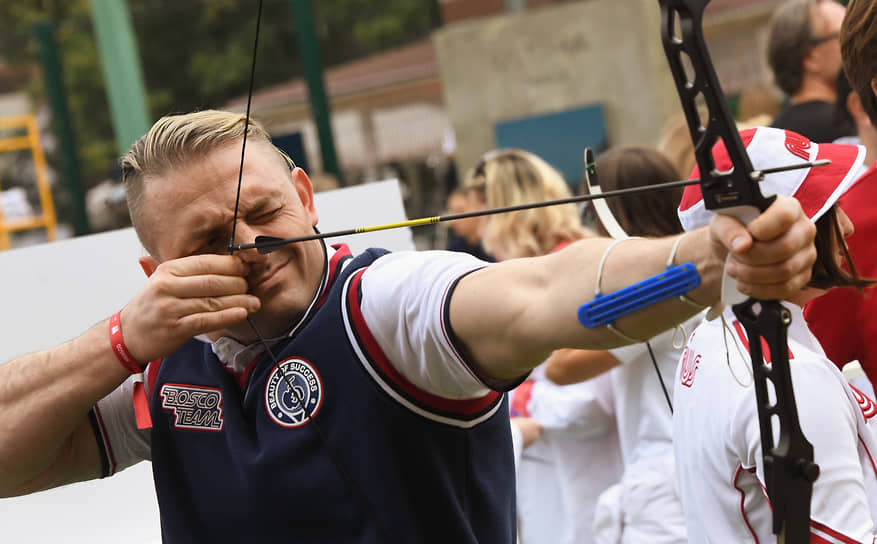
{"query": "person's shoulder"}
{"type": "Point", "coordinates": [813, 374]}
{"type": "Point", "coordinates": [372, 253]}
{"type": "Point", "coordinates": [425, 256]}
{"type": "Point", "coordinates": [810, 119]}
{"type": "Point", "coordinates": [809, 106]}
{"type": "Point", "coordinates": [816, 120]}
{"type": "Point", "coordinates": [420, 267]}
{"type": "Point", "coordinates": [704, 330]}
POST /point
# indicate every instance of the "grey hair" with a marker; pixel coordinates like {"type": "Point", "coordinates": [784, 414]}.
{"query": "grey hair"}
{"type": "Point", "coordinates": [789, 42]}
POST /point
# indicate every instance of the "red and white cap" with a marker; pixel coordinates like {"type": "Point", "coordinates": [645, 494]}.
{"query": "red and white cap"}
{"type": "Point", "coordinates": [816, 188]}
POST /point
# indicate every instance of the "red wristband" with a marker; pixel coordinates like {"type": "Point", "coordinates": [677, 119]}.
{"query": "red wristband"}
{"type": "Point", "coordinates": [119, 348]}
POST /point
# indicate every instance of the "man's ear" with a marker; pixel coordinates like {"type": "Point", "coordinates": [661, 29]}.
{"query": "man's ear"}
{"type": "Point", "coordinates": [854, 106]}
{"type": "Point", "coordinates": [874, 86]}
{"type": "Point", "coordinates": [811, 62]}
{"type": "Point", "coordinates": [148, 264]}
{"type": "Point", "coordinates": [305, 191]}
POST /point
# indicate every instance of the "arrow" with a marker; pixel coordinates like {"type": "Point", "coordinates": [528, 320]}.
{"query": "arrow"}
{"type": "Point", "coordinates": [268, 244]}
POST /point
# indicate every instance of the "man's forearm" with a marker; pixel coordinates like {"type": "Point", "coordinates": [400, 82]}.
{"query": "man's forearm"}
{"type": "Point", "coordinates": [574, 282]}
{"type": "Point", "coordinates": [44, 397]}
{"type": "Point", "coordinates": [512, 315]}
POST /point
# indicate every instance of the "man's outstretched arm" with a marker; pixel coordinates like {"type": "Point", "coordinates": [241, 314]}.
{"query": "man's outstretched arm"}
{"type": "Point", "coordinates": [512, 315]}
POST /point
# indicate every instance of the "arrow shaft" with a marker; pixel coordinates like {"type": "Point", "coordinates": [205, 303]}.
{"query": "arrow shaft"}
{"type": "Point", "coordinates": [273, 244]}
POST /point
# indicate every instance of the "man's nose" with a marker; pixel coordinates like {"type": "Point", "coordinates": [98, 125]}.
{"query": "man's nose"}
{"type": "Point", "coordinates": [246, 235]}
{"type": "Point", "coordinates": [251, 256]}
{"type": "Point", "coordinates": [847, 228]}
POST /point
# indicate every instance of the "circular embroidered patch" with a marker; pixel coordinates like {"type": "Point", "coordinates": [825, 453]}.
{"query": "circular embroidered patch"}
{"type": "Point", "coordinates": [293, 393]}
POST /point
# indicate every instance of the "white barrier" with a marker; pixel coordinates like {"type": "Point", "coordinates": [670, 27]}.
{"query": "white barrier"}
{"type": "Point", "coordinates": [53, 292]}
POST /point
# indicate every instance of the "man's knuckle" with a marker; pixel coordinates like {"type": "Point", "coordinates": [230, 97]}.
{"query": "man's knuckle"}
{"type": "Point", "coordinates": [164, 307]}
{"type": "Point", "coordinates": [160, 282]}
{"type": "Point", "coordinates": [213, 304]}
{"type": "Point", "coordinates": [212, 284]}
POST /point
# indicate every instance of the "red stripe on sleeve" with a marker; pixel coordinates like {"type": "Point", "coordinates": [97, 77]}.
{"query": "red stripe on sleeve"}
{"type": "Point", "coordinates": [822, 534]}
{"type": "Point", "coordinates": [382, 363]}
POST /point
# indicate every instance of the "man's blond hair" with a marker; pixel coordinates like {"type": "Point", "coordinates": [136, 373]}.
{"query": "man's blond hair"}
{"type": "Point", "coordinates": [175, 141]}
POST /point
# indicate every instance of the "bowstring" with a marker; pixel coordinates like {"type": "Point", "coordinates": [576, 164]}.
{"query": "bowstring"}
{"type": "Point", "coordinates": [237, 200]}
{"type": "Point", "coordinates": [346, 476]}
{"type": "Point", "coordinates": [592, 182]}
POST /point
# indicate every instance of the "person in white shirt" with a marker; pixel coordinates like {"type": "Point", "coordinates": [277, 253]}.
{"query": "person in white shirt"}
{"type": "Point", "coordinates": [557, 488]}
{"type": "Point", "coordinates": [644, 505]}
{"type": "Point", "coordinates": [715, 423]}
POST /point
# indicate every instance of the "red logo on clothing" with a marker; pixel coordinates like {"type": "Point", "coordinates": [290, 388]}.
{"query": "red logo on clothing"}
{"type": "Point", "coordinates": [866, 405]}
{"type": "Point", "coordinates": [798, 145]}
{"type": "Point", "coordinates": [765, 348]}
{"type": "Point", "coordinates": [690, 362]}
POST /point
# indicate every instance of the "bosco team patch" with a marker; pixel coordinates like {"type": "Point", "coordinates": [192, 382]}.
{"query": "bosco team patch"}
{"type": "Point", "coordinates": [194, 407]}
{"type": "Point", "coordinates": [293, 393]}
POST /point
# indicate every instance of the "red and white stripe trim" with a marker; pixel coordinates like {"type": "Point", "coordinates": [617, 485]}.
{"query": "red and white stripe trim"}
{"type": "Point", "coordinates": [822, 534]}
{"type": "Point", "coordinates": [459, 413]}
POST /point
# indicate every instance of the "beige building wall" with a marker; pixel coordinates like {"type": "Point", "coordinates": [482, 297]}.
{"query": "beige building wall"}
{"type": "Point", "coordinates": [738, 44]}
{"type": "Point", "coordinates": [569, 55]}
{"type": "Point", "coordinates": [553, 59]}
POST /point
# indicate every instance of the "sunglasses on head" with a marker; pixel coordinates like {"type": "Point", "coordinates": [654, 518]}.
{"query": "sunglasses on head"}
{"type": "Point", "coordinates": [828, 37]}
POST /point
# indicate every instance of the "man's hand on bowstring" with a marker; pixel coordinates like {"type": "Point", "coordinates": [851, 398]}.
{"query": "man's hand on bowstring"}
{"type": "Point", "coordinates": [184, 298]}
{"type": "Point", "coordinates": [771, 258]}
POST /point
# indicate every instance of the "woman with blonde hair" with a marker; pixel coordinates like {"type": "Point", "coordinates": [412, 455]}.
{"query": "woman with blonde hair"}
{"type": "Point", "coordinates": [644, 506]}
{"type": "Point", "coordinates": [508, 177]}
{"type": "Point", "coordinates": [557, 485]}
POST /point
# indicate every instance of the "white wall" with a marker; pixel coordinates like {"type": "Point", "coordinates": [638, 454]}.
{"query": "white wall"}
{"type": "Point", "coordinates": [53, 292]}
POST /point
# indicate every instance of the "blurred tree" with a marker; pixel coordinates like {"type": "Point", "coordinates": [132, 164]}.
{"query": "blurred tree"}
{"type": "Point", "coordinates": [196, 53]}
{"type": "Point", "coordinates": [89, 112]}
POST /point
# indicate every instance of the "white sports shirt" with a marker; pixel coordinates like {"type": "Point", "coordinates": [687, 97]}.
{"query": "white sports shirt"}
{"type": "Point", "coordinates": [718, 449]}
{"type": "Point", "coordinates": [645, 420]}
{"type": "Point", "coordinates": [561, 475]}
{"type": "Point", "coordinates": [647, 507]}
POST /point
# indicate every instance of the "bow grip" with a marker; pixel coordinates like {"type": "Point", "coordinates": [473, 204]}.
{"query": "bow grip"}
{"type": "Point", "coordinates": [745, 214]}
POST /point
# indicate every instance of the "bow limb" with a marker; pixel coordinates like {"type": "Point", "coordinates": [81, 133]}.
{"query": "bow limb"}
{"type": "Point", "coordinates": [613, 228]}
{"type": "Point", "coordinates": [789, 471]}
{"type": "Point", "coordinates": [616, 231]}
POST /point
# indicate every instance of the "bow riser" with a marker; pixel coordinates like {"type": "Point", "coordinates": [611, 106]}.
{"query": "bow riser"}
{"type": "Point", "coordinates": [789, 470]}
{"type": "Point", "coordinates": [735, 193]}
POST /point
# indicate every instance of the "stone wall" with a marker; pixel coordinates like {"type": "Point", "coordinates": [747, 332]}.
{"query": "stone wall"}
{"type": "Point", "coordinates": [738, 45]}
{"type": "Point", "coordinates": [553, 59]}
{"type": "Point", "coordinates": [569, 55]}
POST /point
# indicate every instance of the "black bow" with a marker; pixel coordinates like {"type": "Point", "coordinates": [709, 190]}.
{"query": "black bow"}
{"type": "Point", "coordinates": [788, 464]}
{"type": "Point", "coordinates": [789, 470]}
